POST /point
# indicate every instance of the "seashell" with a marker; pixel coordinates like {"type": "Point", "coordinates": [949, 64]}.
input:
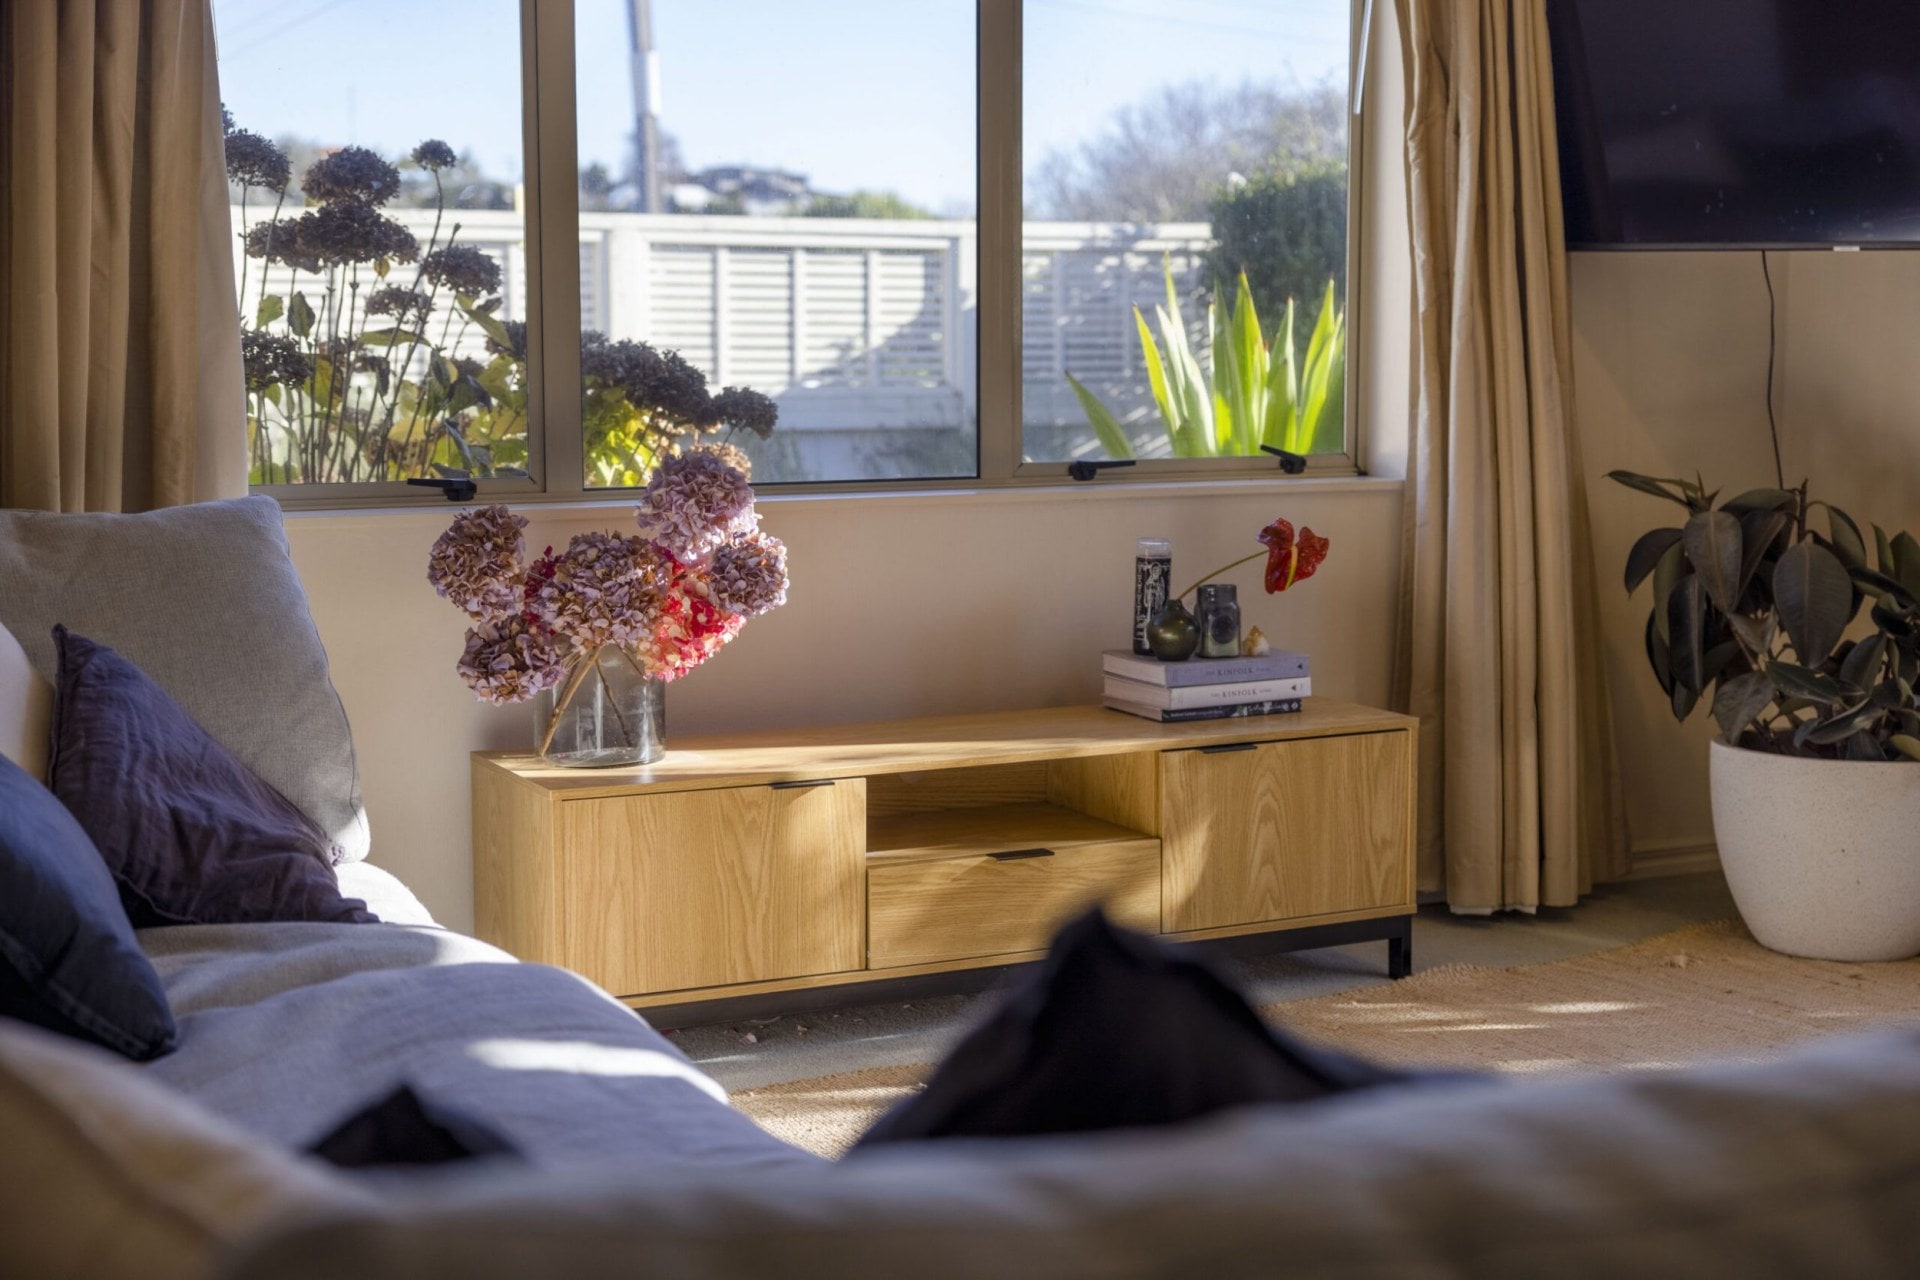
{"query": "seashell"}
{"type": "Point", "coordinates": [1254, 643]}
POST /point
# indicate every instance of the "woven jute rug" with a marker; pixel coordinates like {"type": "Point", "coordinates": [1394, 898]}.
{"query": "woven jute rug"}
{"type": "Point", "coordinates": [1708, 991]}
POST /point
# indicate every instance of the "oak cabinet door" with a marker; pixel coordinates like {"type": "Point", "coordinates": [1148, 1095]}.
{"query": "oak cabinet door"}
{"type": "Point", "coordinates": [668, 891]}
{"type": "Point", "coordinates": [1278, 830]}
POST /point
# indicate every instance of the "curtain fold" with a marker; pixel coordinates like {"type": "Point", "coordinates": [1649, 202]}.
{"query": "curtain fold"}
{"type": "Point", "coordinates": [120, 379]}
{"type": "Point", "coordinates": [1500, 658]}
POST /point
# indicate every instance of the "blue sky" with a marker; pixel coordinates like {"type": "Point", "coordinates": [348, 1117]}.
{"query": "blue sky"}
{"type": "Point", "coordinates": [875, 94]}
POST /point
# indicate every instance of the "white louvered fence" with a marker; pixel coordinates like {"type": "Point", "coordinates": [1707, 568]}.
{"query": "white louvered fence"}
{"type": "Point", "coordinates": [851, 325]}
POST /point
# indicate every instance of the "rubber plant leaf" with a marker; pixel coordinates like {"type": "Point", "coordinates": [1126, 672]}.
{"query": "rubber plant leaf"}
{"type": "Point", "coordinates": [1814, 596]}
{"type": "Point", "coordinates": [1713, 543]}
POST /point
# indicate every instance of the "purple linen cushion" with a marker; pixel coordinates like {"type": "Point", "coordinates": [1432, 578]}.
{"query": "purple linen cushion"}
{"type": "Point", "coordinates": [191, 835]}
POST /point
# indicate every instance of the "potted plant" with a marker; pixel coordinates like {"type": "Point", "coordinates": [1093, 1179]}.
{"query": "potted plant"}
{"type": "Point", "coordinates": [1757, 611]}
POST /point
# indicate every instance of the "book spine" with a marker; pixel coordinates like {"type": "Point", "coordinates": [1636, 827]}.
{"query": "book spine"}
{"type": "Point", "coordinates": [1271, 707]}
{"type": "Point", "coordinates": [1205, 671]}
{"type": "Point", "coordinates": [1204, 695]}
{"type": "Point", "coordinates": [1191, 696]}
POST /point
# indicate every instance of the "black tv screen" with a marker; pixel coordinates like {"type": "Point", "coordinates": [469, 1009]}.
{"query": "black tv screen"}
{"type": "Point", "coordinates": [1738, 123]}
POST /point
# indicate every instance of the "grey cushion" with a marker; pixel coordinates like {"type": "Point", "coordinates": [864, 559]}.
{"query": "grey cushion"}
{"type": "Point", "coordinates": [1804, 1167]}
{"type": "Point", "coordinates": [205, 600]}
{"type": "Point", "coordinates": [106, 1174]}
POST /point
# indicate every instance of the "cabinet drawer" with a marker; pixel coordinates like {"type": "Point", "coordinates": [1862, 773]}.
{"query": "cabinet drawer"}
{"type": "Point", "coordinates": [966, 907]}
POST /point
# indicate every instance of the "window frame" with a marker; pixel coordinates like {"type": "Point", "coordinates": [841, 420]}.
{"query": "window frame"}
{"type": "Point", "coordinates": [556, 464]}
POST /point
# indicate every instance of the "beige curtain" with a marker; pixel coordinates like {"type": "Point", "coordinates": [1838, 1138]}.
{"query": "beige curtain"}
{"type": "Point", "coordinates": [1519, 795]}
{"type": "Point", "coordinates": [120, 383]}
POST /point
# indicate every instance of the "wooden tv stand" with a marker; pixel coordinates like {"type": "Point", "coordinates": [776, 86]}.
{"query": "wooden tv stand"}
{"type": "Point", "coordinates": [793, 864]}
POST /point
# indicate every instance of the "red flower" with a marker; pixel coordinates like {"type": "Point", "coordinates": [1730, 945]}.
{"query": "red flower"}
{"type": "Point", "coordinates": [1289, 559]}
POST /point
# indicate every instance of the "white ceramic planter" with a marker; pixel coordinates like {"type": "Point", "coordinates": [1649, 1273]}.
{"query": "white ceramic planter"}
{"type": "Point", "coordinates": [1823, 856]}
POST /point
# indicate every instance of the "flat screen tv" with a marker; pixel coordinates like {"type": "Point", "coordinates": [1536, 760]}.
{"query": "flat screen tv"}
{"type": "Point", "coordinates": [1691, 124]}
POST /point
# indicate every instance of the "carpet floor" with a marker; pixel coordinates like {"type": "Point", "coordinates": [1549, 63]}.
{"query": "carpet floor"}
{"type": "Point", "coordinates": [1707, 991]}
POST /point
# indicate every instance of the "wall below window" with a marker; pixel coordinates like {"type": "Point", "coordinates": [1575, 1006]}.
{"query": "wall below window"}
{"type": "Point", "coordinates": [1670, 379]}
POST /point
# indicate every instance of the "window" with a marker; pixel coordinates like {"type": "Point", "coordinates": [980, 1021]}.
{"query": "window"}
{"type": "Point", "coordinates": [788, 203]}
{"type": "Point", "coordinates": [959, 239]}
{"type": "Point", "coordinates": [1172, 150]}
{"type": "Point", "coordinates": [382, 244]}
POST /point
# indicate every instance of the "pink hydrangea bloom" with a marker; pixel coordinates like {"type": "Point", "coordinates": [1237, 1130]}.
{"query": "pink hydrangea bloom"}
{"type": "Point", "coordinates": [605, 590]}
{"type": "Point", "coordinates": [691, 630]}
{"type": "Point", "coordinates": [731, 454]}
{"type": "Point", "coordinates": [476, 563]}
{"type": "Point", "coordinates": [694, 503]}
{"type": "Point", "coordinates": [748, 576]}
{"type": "Point", "coordinates": [510, 661]}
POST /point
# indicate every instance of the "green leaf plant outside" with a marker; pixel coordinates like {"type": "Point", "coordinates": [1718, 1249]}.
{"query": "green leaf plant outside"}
{"type": "Point", "coordinates": [1770, 608]}
{"type": "Point", "coordinates": [1248, 392]}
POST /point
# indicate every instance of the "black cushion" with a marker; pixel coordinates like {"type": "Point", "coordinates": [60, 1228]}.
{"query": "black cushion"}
{"type": "Point", "coordinates": [68, 959]}
{"type": "Point", "coordinates": [1117, 1030]}
{"type": "Point", "coordinates": [191, 835]}
{"type": "Point", "coordinates": [404, 1128]}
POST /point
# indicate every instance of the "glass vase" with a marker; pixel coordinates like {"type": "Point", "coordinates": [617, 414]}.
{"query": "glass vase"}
{"type": "Point", "coordinates": [604, 714]}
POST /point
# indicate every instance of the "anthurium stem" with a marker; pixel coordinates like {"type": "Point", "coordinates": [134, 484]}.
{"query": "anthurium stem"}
{"type": "Point", "coordinates": [1222, 569]}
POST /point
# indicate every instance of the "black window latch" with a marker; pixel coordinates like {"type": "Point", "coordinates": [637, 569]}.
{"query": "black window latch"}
{"type": "Point", "coordinates": [1084, 470]}
{"type": "Point", "coordinates": [456, 488]}
{"type": "Point", "coordinates": [1291, 463]}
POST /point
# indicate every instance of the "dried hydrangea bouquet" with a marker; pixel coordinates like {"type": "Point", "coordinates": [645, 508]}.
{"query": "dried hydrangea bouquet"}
{"type": "Point", "coordinates": [594, 633]}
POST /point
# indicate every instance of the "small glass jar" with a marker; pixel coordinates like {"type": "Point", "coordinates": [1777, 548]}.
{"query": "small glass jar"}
{"type": "Point", "coordinates": [1219, 621]}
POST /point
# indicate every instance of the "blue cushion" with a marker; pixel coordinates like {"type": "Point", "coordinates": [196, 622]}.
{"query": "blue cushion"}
{"type": "Point", "coordinates": [68, 959]}
{"type": "Point", "coordinates": [191, 835]}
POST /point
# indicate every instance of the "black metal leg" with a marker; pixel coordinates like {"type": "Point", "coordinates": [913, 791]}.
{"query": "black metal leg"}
{"type": "Point", "coordinates": [1400, 952]}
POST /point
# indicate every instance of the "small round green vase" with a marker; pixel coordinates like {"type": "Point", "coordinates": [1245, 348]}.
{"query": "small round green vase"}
{"type": "Point", "coordinates": [1173, 634]}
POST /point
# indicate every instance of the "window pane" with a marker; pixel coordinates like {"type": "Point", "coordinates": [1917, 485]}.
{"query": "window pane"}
{"type": "Point", "coordinates": [782, 194]}
{"type": "Point", "coordinates": [380, 296]}
{"type": "Point", "coordinates": [1170, 146]}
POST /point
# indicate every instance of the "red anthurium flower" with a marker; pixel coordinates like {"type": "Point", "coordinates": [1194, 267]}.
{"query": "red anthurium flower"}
{"type": "Point", "coordinates": [1290, 559]}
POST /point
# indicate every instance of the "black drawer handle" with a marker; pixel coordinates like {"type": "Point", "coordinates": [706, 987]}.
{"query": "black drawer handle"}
{"type": "Point", "coordinates": [797, 784]}
{"type": "Point", "coordinates": [1016, 855]}
{"type": "Point", "coordinates": [1228, 746]}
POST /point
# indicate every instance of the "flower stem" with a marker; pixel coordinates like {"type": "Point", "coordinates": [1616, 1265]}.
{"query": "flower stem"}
{"type": "Point", "coordinates": [634, 663]}
{"type": "Point", "coordinates": [580, 670]}
{"type": "Point", "coordinates": [433, 297]}
{"type": "Point", "coordinates": [619, 716]}
{"type": "Point", "coordinates": [1222, 569]}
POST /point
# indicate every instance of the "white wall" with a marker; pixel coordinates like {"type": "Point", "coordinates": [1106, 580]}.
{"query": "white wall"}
{"type": "Point", "coordinates": [1670, 378]}
{"type": "Point", "coordinates": [900, 606]}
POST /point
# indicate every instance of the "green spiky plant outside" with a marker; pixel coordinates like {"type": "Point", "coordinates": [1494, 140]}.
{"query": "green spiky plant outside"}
{"type": "Point", "coordinates": [1250, 393]}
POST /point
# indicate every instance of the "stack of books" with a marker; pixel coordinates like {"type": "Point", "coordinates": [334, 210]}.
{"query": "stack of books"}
{"type": "Point", "coordinates": [1204, 688]}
